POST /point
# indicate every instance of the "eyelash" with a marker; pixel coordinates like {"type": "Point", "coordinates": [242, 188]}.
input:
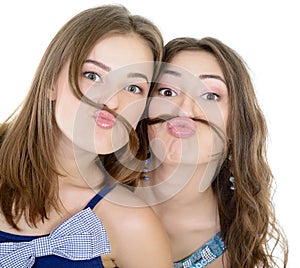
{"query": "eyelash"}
{"type": "Point", "coordinates": [206, 96]}
{"type": "Point", "coordinates": [127, 88]}
{"type": "Point", "coordinates": [98, 77]}
{"type": "Point", "coordinates": [214, 95]}
{"type": "Point", "coordinates": [162, 90]}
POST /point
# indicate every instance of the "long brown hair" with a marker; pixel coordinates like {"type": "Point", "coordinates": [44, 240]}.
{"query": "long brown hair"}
{"type": "Point", "coordinates": [248, 224]}
{"type": "Point", "coordinates": [28, 173]}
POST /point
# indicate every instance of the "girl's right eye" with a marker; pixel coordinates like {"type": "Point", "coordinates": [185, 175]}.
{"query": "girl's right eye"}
{"type": "Point", "coordinates": [93, 76]}
{"type": "Point", "coordinates": [167, 92]}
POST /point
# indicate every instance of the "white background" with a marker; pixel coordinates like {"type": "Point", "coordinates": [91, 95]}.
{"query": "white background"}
{"type": "Point", "coordinates": [266, 34]}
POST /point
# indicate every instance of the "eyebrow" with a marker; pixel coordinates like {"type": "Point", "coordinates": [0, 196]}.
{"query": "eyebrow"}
{"type": "Point", "coordinates": [201, 76]}
{"type": "Point", "coordinates": [171, 72]}
{"type": "Point", "coordinates": [130, 75]}
{"type": "Point", "coordinates": [108, 69]}
{"type": "Point", "coordinates": [99, 64]}
{"type": "Point", "coordinates": [205, 76]}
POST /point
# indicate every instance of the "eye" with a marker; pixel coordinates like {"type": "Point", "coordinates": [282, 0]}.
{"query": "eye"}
{"type": "Point", "coordinates": [93, 76]}
{"type": "Point", "coordinates": [133, 89]}
{"type": "Point", "coordinates": [210, 96]}
{"type": "Point", "coordinates": [167, 92]}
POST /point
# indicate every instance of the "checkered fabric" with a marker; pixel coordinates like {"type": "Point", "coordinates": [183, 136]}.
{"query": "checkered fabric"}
{"type": "Point", "coordinates": [81, 237]}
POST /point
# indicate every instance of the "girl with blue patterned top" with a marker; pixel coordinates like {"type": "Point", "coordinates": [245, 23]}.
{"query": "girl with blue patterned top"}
{"type": "Point", "coordinates": [65, 152]}
{"type": "Point", "coordinates": [206, 175]}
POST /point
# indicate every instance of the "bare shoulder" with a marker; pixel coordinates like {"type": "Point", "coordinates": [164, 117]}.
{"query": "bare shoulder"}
{"type": "Point", "coordinates": [122, 209]}
{"type": "Point", "coordinates": [123, 196]}
{"type": "Point", "coordinates": [133, 230]}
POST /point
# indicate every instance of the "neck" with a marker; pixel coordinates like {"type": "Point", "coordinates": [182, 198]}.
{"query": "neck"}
{"type": "Point", "coordinates": [77, 167]}
{"type": "Point", "coordinates": [194, 181]}
{"type": "Point", "coordinates": [181, 182]}
{"type": "Point", "coordinates": [186, 192]}
{"type": "Point", "coordinates": [190, 214]}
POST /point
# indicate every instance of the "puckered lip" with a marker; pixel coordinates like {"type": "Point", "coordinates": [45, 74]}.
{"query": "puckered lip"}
{"type": "Point", "coordinates": [181, 127]}
{"type": "Point", "coordinates": [104, 119]}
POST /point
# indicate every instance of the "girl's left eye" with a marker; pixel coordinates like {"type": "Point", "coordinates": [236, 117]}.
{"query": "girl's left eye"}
{"type": "Point", "coordinates": [93, 76]}
{"type": "Point", "coordinates": [210, 96]}
{"type": "Point", "coordinates": [133, 89]}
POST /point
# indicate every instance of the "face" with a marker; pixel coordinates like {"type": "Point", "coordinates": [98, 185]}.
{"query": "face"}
{"type": "Point", "coordinates": [191, 86]}
{"type": "Point", "coordinates": [117, 73]}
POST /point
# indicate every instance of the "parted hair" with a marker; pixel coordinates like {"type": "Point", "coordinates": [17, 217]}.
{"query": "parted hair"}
{"type": "Point", "coordinates": [28, 172]}
{"type": "Point", "coordinates": [249, 227]}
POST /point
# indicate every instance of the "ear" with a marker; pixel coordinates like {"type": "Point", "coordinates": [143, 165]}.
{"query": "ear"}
{"type": "Point", "coordinates": [52, 94]}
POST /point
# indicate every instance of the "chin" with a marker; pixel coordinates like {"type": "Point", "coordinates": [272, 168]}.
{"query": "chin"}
{"type": "Point", "coordinates": [108, 147]}
{"type": "Point", "coordinates": [185, 160]}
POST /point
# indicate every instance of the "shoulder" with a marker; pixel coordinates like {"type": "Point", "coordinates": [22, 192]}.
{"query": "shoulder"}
{"type": "Point", "coordinates": [123, 210]}
{"type": "Point", "coordinates": [133, 230]}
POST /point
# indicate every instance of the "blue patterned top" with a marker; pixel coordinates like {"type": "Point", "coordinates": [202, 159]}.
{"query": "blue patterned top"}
{"type": "Point", "coordinates": [209, 252]}
{"type": "Point", "coordinates": [78, 242]}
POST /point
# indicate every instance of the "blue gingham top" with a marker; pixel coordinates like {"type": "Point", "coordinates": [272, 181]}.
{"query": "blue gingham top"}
{"type": "Point", "coordinates": [78, 242]}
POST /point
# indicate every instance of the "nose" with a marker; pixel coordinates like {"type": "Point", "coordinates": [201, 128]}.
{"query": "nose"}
{"type": "Point", "coordinates": [112, 102]}
{"type": "Point", "coordinates": [188, 107]}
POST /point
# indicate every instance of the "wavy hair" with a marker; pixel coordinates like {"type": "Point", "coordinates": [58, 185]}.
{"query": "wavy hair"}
{"type": "Point", "coordinates": [28, 173]}
{"type": "Point", "coordinates": [249, 227]}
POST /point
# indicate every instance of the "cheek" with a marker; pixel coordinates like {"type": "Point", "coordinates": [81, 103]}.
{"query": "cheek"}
{"type": "Point", "coordinates": [158, 136]}
{"type": "Point", "coordinates": [66, 108]}
{"type": "Point", "coordinates": [157, 131]}
{"type": "Point", "coordinates": [151, 133]}
{"type": "Point", "coordinates": [157, 141]}
{"type": "Point", "coordinates": [66, 119]}
{"type": "Point", "coordinates": [133, 110]}
{"type": "Point", "coordinates": [218, 116]}
{"type": "Point", "coordinates": [225, 114]}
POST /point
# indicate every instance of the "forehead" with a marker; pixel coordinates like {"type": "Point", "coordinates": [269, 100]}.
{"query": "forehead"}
{"type": "Point", "coordinates": [197, 62]}
{"type": "Point", "coordinates": [118, 50]}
